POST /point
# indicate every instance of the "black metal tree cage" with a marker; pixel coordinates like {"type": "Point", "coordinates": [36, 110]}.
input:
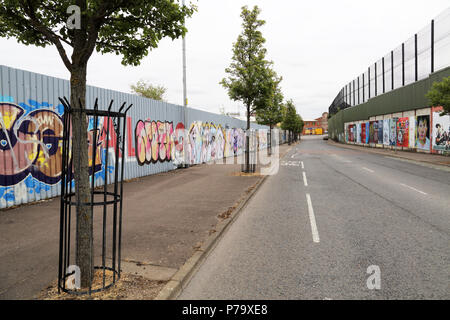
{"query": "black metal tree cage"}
{"type": "Point", "coordinates": [106, 197]}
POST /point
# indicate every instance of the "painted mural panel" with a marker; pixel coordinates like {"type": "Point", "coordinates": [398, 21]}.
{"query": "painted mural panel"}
{"type": "Point", "coordinates": [380, 131]}
{"type": "Point", "coordinates": [363, 132]}
{"type": "Point", "coordinates": [393, 132]}
{"type": "Point", "coordinates": [402, 132]}
{"type": "Point", "coordinates": [358, 133]}
{"type": "Point", "coordinates": [372, 132]}
{"type": "Point", "coordinates": [386, 131]}
{"type": "Point", "coordinates": [441, 132]}
{"type": "Point", "coordinates": [422, 133]}
{"type": "Point", "coordinates": [367, 136]}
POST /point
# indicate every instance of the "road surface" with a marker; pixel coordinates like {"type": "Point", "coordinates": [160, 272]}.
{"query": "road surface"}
{"type": "Point", "coordinates": [325, 225]}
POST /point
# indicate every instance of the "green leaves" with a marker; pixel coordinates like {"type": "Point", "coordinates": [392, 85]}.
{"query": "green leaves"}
{"type": "Point", "coordinates": [292, 121]}
{"type": "Point", "coordinates": [125, 27]}
{"type": "Point", "coordinates": [247, 74]}
{"type": "Point", "coordinates": [439, 95]}
{"type": "Point", "coordinates": [147, 90]}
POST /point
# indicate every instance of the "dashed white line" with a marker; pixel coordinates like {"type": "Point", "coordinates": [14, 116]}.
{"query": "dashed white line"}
{"type": "Point", "coordinates": [367, 169]}
{"type": "Point", "coordinates": [312, 219]}
{"type": "Point", "coordinates": [305, 181]}
{"type": "Point", "coordinates": [303, 165]}
{"type": "Point", "coordinates": [405, 185]}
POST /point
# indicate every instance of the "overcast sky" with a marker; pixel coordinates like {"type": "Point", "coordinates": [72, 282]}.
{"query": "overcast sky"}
{"type": "Point", "coordinates": [317, 46]}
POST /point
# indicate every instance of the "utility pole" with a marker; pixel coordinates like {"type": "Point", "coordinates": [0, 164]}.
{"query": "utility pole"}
{"type": "Point", "coordinates": [185, 102]}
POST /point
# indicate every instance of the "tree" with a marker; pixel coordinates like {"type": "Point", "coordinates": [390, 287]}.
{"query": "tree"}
{"type": "Point", "coordinates": [439, 95]}
{"type": "Point", "coordinates": [124, 27]}
{"type": "Point", "coordinates": [290, 119]}
{"type": "Point", "coordinates": [247, 72]}
{"type": "Point", "coordinates": [147, 90]}
{"type": "Point", "coordinates": [270, 110]}
{"type": "Point", "coordinates": [298, 126]}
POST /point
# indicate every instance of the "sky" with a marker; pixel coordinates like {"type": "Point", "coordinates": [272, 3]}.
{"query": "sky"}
{"type": "Point", "coordinates": [316, 46]}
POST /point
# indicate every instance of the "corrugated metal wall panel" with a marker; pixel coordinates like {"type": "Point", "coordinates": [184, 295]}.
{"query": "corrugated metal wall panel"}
{"type": "Point", "coordinates": [26, 96]}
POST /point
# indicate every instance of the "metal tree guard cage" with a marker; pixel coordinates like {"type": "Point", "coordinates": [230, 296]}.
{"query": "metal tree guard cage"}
{"type": "Point", "coordinates": [106, 196]}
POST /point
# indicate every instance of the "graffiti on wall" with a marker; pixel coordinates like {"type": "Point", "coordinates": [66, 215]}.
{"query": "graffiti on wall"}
{"type": "Point", "coordinates": [157, 141]}
{"type": "Point", "coordinates": [31, 149]}
{"type": "Point", "coordinates": [154, 141]}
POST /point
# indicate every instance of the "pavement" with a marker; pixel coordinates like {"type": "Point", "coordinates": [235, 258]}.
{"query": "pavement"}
{"type": "Point", "coordinates": [167, 217]}
{"type": "Point", "coordinates": [337, 223]}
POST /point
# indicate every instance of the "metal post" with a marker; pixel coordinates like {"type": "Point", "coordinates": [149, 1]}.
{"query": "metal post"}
{"type": "Point", "coordinates": [403, 64]}
{"type": "Point", "coordinates": [369, 82]}
{"type": "Point", "coordinates": [358, 92]}
{"type": "Point", "coordinates": [363, 91]}
{"type": "Point", "coordinates": [392, 69]}
{"type": "Point", "coordinates": [384, 83]}
{"type": "Point", "coordinates": [432, 46]}
{"type": "Point", "coordinates": [415, 57]}
{"type": "Point", "coordinates": [376, 75]}
{"type": "Point", "coordinates": [185, 101]}
{"type": "Point", "coordinates": [354, 93]}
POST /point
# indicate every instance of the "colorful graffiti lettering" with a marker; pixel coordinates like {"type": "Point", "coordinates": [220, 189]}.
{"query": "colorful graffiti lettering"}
{"type": "Point", "coordinates": [30, 144]}
{"type": "Point", "coordinates": [154, 141]}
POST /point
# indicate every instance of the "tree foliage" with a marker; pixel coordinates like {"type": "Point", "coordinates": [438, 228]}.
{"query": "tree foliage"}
{"type": "Point", "coordinates": [439, 95]}
{"type": "Point", "coordinates": [125, 27]}
{"type": "Point", "coordinates": [269, 110]}
{"type": "Point", "coordinates": [247, 74]}
{"type": "Point", "coordinates": [292, 121]}
{"type": "Point", "coordinates": [147, 90]}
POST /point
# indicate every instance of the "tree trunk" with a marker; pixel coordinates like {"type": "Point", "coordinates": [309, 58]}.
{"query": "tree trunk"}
{"type": "Point", "coordinates": [84, 225]}
{"type": "Point", "coordinates": [247, 139]}
{"type": "Point", "coordinates": [270, 140]}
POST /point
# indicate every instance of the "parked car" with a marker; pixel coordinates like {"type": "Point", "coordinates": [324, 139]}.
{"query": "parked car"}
{"type": "Point", "coordinates": [325, 137]}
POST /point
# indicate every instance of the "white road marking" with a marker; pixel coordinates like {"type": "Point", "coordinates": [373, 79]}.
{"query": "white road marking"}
{"type": "Point", "coordinates": [402, 184]}
{"type": "Point", "coordinates": [305, 181]}
{"type": "Point", "coordinates": [312, 219]}
{"type": "Point", "coordinates": [293, 156]}
{"type": "Point", "coordinates": [367, 169]}
{"type": "Point", "coordinates": [303, 165]}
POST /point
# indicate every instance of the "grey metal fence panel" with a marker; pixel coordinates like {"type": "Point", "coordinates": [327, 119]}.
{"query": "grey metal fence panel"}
{"type": "Point", "coordinates": [31, 128]}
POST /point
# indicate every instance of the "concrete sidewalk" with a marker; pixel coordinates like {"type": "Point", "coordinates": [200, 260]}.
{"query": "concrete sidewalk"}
{"type": "Point", "coordinates": [432, 159]}
{"type": "Point", "coordinates": [166, 217]}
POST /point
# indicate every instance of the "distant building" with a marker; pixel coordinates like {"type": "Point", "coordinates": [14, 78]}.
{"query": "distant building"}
{"type": "Point", "coordinates": [317, 126]}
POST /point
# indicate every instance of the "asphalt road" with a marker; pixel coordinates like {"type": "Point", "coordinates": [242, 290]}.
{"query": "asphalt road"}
{"type": "Point", "coordinates": [313, 230]}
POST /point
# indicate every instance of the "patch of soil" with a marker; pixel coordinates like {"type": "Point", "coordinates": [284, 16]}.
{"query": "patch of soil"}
{"type": "Point", "coordinates": [128, 287]}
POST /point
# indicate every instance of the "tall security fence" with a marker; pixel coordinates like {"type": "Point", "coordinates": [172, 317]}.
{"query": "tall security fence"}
{"type": "Point", "coordinates": [424, 53]}
{"type": "Point", "coordinates": [159, 136]}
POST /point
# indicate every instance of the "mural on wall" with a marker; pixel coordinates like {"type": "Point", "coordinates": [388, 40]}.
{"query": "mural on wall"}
{"type": "Point", "coordinates": [422, 132]}
{"type": "Point", "coordinates": [372, 132]}
{"type": "Point", "coordinates": [402, 132]}
{"type": "Point", "coordinates": [380, 131]}
{"type": "Point", "coordinates": [154, 141]}
{"type": "Point", "coordinates": [393, 132]}
{"type": "Point", "coordinates": [31, 150]}
{"type": "Point", "coordinates": [441, 132]}
{"type": "Point", "coordinates": [386, 130]}
{"type": "Point", "coordinates": [30, 144]}
{"type": "Point", "coordinates": [358, 133]}
{"type": "Point", "coordinates": [363, 132]}
{"type": "Point", "coordinates": [367, 136]}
